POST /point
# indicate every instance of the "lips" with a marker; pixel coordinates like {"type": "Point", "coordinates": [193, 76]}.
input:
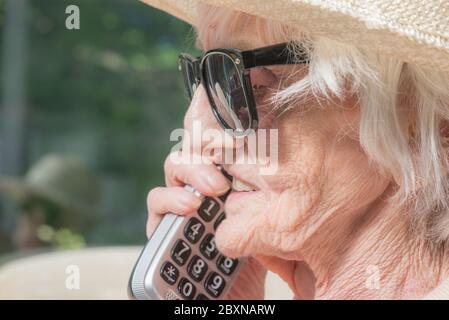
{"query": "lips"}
{"type": "Point", "coordinates": [241, 186]}
{"type": "Point", "coordinates": [240, 189]}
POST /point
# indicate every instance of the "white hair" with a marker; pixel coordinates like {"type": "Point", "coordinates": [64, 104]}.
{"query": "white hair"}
{"type": "Point", "coordinates": [412, 145]}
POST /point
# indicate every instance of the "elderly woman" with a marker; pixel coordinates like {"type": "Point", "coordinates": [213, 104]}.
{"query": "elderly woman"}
{"type": "Point", "coordinates": [358, 206]}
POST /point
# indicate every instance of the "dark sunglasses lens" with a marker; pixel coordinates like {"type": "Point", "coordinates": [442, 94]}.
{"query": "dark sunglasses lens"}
{"type": "Point", "coordinates": [225, 86]}
{"type": "Point", "coordinates": [189, 76]}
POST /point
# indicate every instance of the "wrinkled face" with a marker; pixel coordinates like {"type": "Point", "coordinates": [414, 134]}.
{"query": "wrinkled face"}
{"type": "Point", "coordinates": [322, 177]}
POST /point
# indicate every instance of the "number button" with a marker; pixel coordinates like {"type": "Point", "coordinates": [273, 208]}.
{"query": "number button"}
{"type": "Point", "coordinates": [186, 289]}
{"type": "Point", "coordinates": [208, 209]}
{"type": "Point", "coordinates": [181, 252]}
{"type": "Point", "coordinates": [208, 247]}
{"type": "Point", "coordinates": [197, 268]}
{"type": "Point", "coordinates": [214, 284]}
{"type": "Point", "coordinates": [220, 218]}
{"type": "Point", "coordinates": [227, 265]}
{"type": "Point", "coordinates": [201, 297]}
{"type": "Point", "coordinates": [169, 272]}
{"type": "Point", "coordinates": [194, 230]}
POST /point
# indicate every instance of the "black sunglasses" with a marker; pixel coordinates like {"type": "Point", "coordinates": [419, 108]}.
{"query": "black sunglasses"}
{"type": "Point", "coordinates": [226, 78]}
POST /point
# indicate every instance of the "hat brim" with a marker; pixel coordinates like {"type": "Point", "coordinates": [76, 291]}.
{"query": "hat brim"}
{"type": "Point", "coordinates": [373, 29]}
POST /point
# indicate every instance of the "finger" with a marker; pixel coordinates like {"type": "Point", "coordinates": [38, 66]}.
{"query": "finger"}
{"type": "Point", "coordinates": [176, 200]}
{"type": "Point", "coordinates": [205, 178]}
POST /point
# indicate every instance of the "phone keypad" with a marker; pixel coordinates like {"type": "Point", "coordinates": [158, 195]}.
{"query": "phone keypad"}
{"type": "Point", "coordinates": [186, 289]}
{"type": "Point", "coordinates": [205, 274]}
{"type": "Point", "coordinates": [209, 209]}
{"type": "Point", "coordinates": [214, 284]}
{"type": "Point", "coordinates": [227, 265]}
{"type": "Point", "coordinates": [208, 248]}
{"type": "Point", "coordinates": [181, 252]}
{"type": "Point", "coordinates": [194, 230]}
{"type": "Point", "coordinates": [197, 268]}
{"type": "Point", "coordinates": [169, 272]}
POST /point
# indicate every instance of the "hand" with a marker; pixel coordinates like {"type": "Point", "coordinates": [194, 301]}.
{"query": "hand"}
{"type": "Point", "coordinates": [209, 181]}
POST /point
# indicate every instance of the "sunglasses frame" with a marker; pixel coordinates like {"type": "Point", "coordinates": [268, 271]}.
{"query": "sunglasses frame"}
{"type": "Point", "coordinates": [243, 61]}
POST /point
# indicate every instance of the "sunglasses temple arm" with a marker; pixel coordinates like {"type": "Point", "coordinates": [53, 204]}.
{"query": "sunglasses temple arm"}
{"type": "Point", "coordinates": [273, 55]}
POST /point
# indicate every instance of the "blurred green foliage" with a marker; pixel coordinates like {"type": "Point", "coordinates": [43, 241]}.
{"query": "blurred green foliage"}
{"type": "Point", "coordinates": [109, 93]}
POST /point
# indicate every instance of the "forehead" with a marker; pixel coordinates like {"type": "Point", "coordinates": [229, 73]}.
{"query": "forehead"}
{"type": "Point", "coordinates": [241, 42]}
{"type": "Point", "coordinates": [233, 29]}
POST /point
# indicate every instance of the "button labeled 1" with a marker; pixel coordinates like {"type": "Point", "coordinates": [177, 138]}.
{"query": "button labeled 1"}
{"type": "Point", "coordinates": [209, 209]}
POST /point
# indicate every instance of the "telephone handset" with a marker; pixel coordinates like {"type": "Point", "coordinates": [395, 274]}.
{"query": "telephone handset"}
{"type": "Point", "coordinates": [181, 260]}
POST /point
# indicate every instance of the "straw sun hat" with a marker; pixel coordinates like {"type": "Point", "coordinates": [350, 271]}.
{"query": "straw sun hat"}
{"type": "Point", "coordinates": [415, 31]}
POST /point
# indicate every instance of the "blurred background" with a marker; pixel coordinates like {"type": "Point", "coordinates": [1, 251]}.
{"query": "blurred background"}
{"type": "Point", "coordinates": [85, 117]}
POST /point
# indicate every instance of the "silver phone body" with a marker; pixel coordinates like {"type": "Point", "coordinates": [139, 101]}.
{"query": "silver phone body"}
{"type": "Point", "coordinates": [146, 281]}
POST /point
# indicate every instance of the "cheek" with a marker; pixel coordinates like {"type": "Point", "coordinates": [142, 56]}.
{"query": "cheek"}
{"type": "Point", "coordinates": [301, 154]}
{"type": "Point", "coordinates": [317, 170]}
{"type": "Point", "coordinates": [268, 224]}
{"type": "Point", "coordinates": [352, 181]}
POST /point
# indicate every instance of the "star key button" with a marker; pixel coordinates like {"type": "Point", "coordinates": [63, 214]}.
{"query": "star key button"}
{"type": "Point", "coordinates": [169, 273]}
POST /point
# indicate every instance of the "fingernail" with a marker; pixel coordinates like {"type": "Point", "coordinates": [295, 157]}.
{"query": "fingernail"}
{"type": "Point", "coordinates": [217, 183]}
{"type": "Point", "coordinates": [189, 201]}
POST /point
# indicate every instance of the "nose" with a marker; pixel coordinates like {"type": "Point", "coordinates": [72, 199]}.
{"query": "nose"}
{"type": "Point", "coordinates": [200, 111]}
{"type": "Point", "coordinates": [205, 134]}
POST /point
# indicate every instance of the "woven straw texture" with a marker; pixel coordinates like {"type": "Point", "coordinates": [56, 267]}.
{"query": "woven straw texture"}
{"type": "Point", "coordinates": [415, 31]}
